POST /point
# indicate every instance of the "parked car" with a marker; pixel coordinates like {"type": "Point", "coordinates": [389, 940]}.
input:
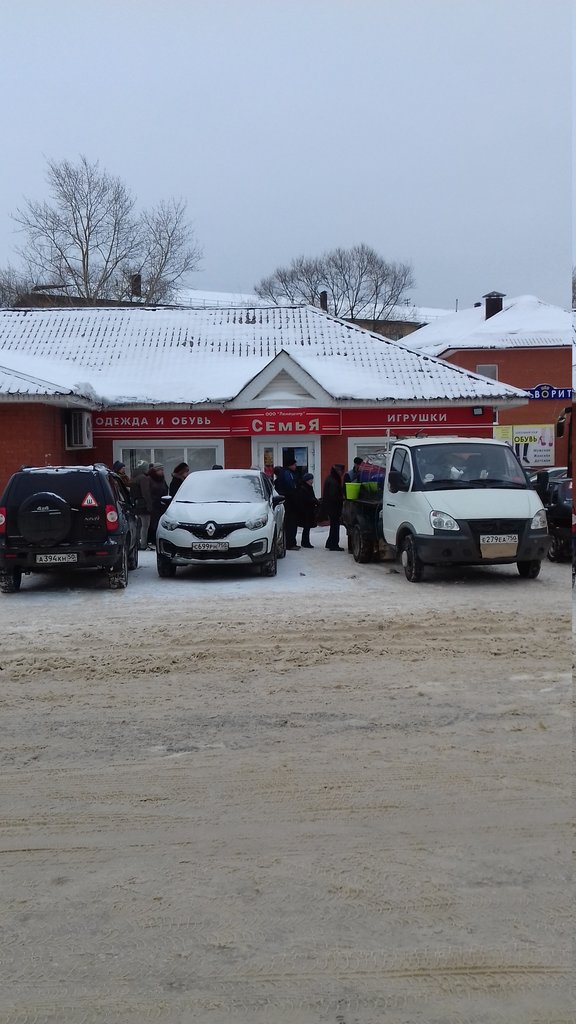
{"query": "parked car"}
{"type": "Point", "coordinates": [559, 515]}
{"type": "Point", "coordinates": [231, 516]}
{"type": "Point", "coordinates": [55, 518]}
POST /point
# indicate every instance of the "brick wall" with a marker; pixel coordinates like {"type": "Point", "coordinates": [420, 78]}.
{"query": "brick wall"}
{"type": "Point", "coordinates": [526, 368]}
{"type": "Point", "coordinates": [31, 435]}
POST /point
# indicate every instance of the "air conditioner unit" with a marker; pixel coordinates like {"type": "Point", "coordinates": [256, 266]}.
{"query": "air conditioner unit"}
{"type": "Point", "coordinates": [78, 429]}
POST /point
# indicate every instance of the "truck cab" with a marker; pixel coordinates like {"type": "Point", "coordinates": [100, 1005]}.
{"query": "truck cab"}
{"type": "Point", "coordinates": [461, 501]}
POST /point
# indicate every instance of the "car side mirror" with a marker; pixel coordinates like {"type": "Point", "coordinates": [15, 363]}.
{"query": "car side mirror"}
{"type": "Point", "coordinates": [396, 482]}
{"type": "Point", "coordinates": [165, 500]}
{"type": "Point", "coordinates": [277, 499]}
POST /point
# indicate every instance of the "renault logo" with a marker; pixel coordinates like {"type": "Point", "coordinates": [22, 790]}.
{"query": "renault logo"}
{"type": "Point", "coordinates": [210, 529]}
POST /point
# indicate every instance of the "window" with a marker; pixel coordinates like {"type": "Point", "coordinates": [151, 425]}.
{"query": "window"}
{"type": "Point", "coordinates": [488, 370]}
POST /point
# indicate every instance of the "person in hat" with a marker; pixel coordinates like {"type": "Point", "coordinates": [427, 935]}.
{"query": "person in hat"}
{"type": "Point", "coordinates": [120, 469]}
{"type": "Point", "coordinates": [308, 508]}
{"type": "Point", "coordinates": [332, 502]}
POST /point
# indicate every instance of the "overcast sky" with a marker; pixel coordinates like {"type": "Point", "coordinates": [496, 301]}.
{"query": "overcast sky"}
{"type": "Point", "coordinates": [436, 131]}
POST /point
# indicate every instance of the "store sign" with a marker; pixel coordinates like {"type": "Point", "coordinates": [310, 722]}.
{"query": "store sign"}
{"type": "Point", "coordinates": [159, 423]}
{"type": "Point", "coordinates": [175, 423]}
{"type": "Point", "coordinates": [548, 392]}
{"type": "Point", "coordinates": [409, 420]}
{"type": "Point", "coordinates": [286, 421]}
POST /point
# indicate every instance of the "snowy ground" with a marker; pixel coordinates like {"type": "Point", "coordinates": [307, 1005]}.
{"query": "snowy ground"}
{"type": "Point", "coordinates": [329, 797]}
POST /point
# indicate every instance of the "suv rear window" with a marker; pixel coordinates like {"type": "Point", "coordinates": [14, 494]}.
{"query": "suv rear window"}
{"type": "Point", "coordinates": [72, 486]}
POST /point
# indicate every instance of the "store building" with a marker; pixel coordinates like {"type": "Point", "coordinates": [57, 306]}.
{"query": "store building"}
{"type": "Point", "coordinates": [524, 342]}
{"type": "Point", "coordinates": [236, 386]}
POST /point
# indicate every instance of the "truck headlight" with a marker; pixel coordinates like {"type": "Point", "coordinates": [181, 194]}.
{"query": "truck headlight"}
{"type": "Point", "coordinates": [539, 522]}
{"type": "Point", "coordinates": [442, 521]}
{"type": "Point", "coordinates": [258, 523]}
{"type": "Point", "coordinates": [168, 524]}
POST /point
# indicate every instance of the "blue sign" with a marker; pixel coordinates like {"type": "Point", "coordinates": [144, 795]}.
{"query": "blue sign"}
{"type": "Point", "coordinates": [546, 391]}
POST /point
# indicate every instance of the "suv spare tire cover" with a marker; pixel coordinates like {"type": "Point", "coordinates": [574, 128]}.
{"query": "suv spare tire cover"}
{"type": "Point", "coordinates": [44, 518]}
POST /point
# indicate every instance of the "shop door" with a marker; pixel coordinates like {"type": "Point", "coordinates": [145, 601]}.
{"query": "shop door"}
{"type": "Point", "coordinates": [277, 453]}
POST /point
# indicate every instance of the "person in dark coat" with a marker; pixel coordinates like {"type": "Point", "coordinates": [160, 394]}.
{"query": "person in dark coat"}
{"type": "Point", "coordinates": [153, 486]}
{"type": "Point", "coordinates": [179, 474]}
{"type": "Point", "coordinates": [308, 508]}
{"type": "Point", "coordinates": [332, 502]}
{"type": "Point", "coordinates": [285, 484]}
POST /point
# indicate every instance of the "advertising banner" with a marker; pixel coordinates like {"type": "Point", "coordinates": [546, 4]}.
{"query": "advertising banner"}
{"type": "Point", "coordinates": [533, 443]}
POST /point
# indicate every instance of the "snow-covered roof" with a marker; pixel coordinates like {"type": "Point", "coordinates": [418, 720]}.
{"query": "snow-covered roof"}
{"type": "Point", "coordinates": [404, 313]}
{"type": "Point", "coordinates": [524, 322]}
{"type": "Point", "coordinates": [150, 356]}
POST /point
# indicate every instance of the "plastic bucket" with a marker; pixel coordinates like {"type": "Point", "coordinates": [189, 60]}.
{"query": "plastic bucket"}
{"type": "Point", "coordinates": [352, 490]}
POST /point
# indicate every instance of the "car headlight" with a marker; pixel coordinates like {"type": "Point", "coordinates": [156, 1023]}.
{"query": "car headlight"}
{"type": "Point", "coordinates": [258, 523]}
{"type": "Point", "coordinates": [168, 524]}
{"type": "Point", "coordinates": [442, 521]}
{"type": "Point", "coordinates": [539, 522]}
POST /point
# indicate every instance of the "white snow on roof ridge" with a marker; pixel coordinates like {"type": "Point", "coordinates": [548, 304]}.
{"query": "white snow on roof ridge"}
{"type": "Point", "coordinates": [175, 355]}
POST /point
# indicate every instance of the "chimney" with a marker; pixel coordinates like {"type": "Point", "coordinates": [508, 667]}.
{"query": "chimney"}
{"type": "Point", "coordinates": [493, 303]}
{"type": "Point", "coordinates": [136, 286]}
{"type": "Point", "coordinates": [324, 301]}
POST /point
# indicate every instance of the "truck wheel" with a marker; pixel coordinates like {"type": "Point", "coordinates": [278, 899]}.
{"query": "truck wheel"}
{"type": "Point", "coordinates": [529, 570]}
{"type": "Point", "coordinates": [362, 546]}
{"type": "Point", "coordinates": [413, 567]}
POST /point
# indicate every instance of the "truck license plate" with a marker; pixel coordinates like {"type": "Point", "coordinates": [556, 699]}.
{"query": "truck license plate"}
{"type": "Point", "coordinates": [499, 538]}
{"type": "Point", "coordinates": [56, 559]}
{"type": "Point", "coordinates": [211, 545]}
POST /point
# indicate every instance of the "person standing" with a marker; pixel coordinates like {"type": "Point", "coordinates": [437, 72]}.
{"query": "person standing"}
{"type": "Point", "coordinates": [140, 503]}
{"type": "Point", "coordinates": [179, 474]}
{"type": "Point", "coordinates": [308, 503]}
{"type": "Point", "coordinates": [286, 484]}
{"type": "Point", "coordinates": [153, 485]}
{"type": "Point", "coordinates": [120, 469]}
{"type": "Point", "coordinates": [332, 502]}
{"type": "Point", "coordinates": [353, 474]}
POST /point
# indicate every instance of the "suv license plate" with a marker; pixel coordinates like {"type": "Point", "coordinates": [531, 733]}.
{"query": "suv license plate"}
{"type": "Point", "coordinates": [499, 538]}
{"type": "Point", "coordinates": [54, 559]}
{"type": "Point", "coordinates": [211, 545]}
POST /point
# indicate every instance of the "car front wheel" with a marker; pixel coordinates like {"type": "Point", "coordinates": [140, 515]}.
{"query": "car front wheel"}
{"type": "Point", "coordinates": [166, 569]}
{"type": "Point", "coordinates": [269, 568]}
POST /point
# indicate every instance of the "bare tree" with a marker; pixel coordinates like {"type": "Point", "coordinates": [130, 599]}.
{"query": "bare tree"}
{"type": "Point", "coordinates": [88, 238]}
{"type": "Point", "coordinates": [14, 286]}
{"type": "Point", "coordinates": [360, 284]}
{"type": "Point", "coordinates": [169, 251]}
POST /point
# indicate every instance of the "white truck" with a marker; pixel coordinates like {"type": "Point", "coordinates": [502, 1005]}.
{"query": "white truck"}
{"type": "Point", "coordinates": [449, 501]}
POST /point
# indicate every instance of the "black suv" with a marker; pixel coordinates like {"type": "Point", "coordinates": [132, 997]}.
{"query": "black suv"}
{"type": "Point", "coordinates": [65, 517]}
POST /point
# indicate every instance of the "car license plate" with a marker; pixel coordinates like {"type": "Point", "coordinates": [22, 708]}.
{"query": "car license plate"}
{"type": "Point", "coordinates": [499, 538]}
{"type": "Point", "coordinates": [56, 559]}
{"type": "Point", "coordinates": [211, 545]}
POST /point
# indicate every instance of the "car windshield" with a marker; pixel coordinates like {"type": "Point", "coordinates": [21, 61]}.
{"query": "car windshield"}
{"type": "Point", "coordinates": [219, 485]}
{"type": "Point", "coordinates": [466, 465]}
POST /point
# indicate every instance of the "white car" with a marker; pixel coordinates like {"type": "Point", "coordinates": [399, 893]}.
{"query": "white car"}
{"type": "Point", "coordinates": [222, 516]}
